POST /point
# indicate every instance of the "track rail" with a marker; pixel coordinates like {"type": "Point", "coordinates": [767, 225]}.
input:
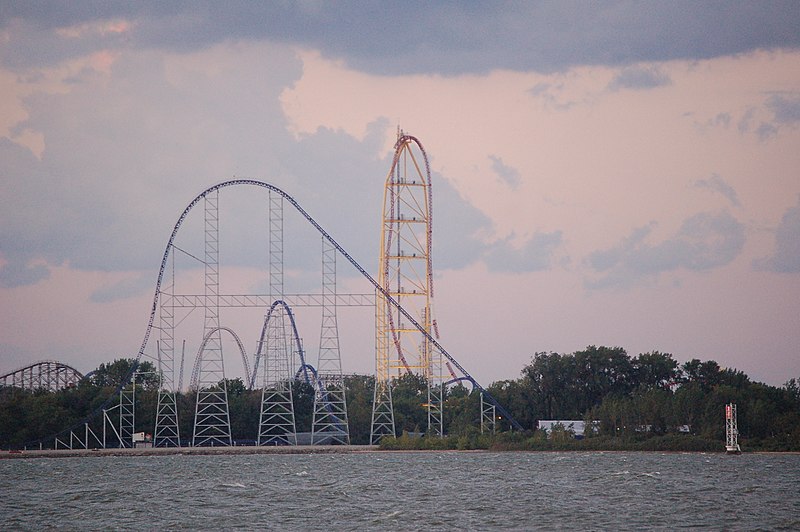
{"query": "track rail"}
{"type": "Point", "coordinates": [298, 344]}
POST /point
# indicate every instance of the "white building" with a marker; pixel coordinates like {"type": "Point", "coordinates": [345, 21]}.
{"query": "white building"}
{"type": "Point", "coordinates": [577, 427]}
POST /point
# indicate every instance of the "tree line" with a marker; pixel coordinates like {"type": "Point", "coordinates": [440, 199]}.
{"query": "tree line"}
{"type": "Point", "coordinates": [627, 398]}
{"type": "Point", "coordinates": [652, 394]}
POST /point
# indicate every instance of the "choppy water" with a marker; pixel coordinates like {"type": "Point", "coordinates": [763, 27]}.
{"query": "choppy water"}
{"type": "Point", "coordinates": [403, 491]}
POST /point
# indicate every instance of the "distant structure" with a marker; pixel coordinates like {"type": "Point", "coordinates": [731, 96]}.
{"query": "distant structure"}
{"type": "Point", "coordinates": [577, 427]}
{"type": "Point", "coordinates": [731, 430]}
{"type": "Point", "coordinates": [43, 375]}
{"type": "Point", "coordinates": [186, 304]}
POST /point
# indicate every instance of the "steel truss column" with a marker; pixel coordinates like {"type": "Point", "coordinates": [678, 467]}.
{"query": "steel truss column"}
{"type": "Point", "coordinates": [212, 420]}
{"type": "Point", "coordinates": [276, 422]}
{"type": "Point", "coordinates": [127, 413]}
{"type": "Point", "coordinates": [731, 429]}
{"type": "Point", "coordinates": [167, 431]}
{"type": "Point", "coordinates": [276, 425]}
{"type": "Point", "coordinates": [488, 416]}
{"type": "Point", "coordinates": [382, 408]}
{"type": "Point", "coordinates": [434, 366]}
{"type": "Point", "coordinates": [329, 423]}
{"type": "Point", "coordinates": [275, 247]}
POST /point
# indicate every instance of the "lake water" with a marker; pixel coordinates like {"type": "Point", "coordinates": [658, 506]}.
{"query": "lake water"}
{"type": "Point", "coordinates": [403, 491]}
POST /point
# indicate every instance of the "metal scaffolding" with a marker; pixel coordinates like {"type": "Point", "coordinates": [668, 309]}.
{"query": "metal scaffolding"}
{"type": "Point", "coordinates": [329, 424]}
{"type": "Point", "coordinates": [488, 416]}
{"type": "Point", "coordinates": [167, 428]}
{"type": "Point", "coordinates": [211, 420]}
{"type": "Point", "coordinates": [404, 322]}
{"type": "Point", "coordinates": [405, 275]}
{"type": "Point", "coordinates": [47, 375]}
{"type": "Point", "coordinates": [127, 413]}
{"type": "Point", "coordinates": [731, 429]}
{"type": "Point", "coordinates": [275, 354]}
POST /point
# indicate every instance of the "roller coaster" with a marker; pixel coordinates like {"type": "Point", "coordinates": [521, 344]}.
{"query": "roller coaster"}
{"type": "Point", "coordinates": [406, 331]}
{"type": "Point", "coordinates": [49, 375]}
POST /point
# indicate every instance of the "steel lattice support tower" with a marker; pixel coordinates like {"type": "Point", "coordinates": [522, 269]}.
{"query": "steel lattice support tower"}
{"type": "Point", "coordinates": [276, 422]}
{"type": "Point", "coordinates": [167, 432]}
{"type": "Point", "coordinates": [382, 407]}
{"type": "Point", "coordinates": [212, 420]}
{"type": "Point", "coordinates": [329, 423]}
{"type": "Point", "coordinates": [275, 247]}
{"type": "Point", "coordinates": [405, 273]}
{"type": "Point", "coordinates": [731, 429]}
{"type": "Point", "coordinates": [488, 416]}
{"type": "Point", "coordinates": [127, 413]}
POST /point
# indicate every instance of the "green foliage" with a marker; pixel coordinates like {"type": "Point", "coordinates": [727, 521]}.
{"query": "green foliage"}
{"type": "Point", "coordinates": [115, 373]}
{"type": "Point", "coordinates": [409, 397]}
{"type": "Point", "coordinates": [650, 397]}
{"type": "Point", "coordinates": [358, 392]}
{"type": "Point", "coordinates": [646, 402]}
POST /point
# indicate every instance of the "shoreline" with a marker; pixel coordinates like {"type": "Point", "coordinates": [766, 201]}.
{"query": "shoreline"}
{"type": "Point", "coordinates": [189, 451]}
{"type": "Point", "coordinates": [302, 449]}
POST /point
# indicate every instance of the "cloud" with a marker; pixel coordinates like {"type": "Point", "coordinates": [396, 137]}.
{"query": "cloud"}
{"type": "Point", "coordinates": [125, 288]}
{"type": "Point", "coordinates": [786, 257]}
{"type": "Point", "coordinates": [705, 241]}
{"type": "Point", "coordinates": [722, 120]}
{"type": "Point", "coordinates": [766, 131]}
{"type": "Point", "coordinates": [127, 150]}
{"type": "Point", "coordinates": [507, 174]}
{"type": "Point", "coordinates": [16, 273]}
{"type": "Point", "coordinates": [349, 205]}
{"type": "Point", "coordinates": [447, 38]}
{"type": "Point", "coordinates": [716, 184]}
{"type": "Point", "coordinates": [552, 95]}
{"type": "Point", "coordinates": [785, 107]}
{"type": "Point", "coordinates": [639, 78]}
{"type": "Point", "coordinates": [125, 153]}
{"type": "Point", "coordinates": [746, 120]}
{"type": "Point", "coordinates": [779, 110]}
{"type": "Point", "coordinates": [536, 255]}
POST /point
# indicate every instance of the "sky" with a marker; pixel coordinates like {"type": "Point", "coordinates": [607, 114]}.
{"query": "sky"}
{"type": "Point", "coordinates": [606, 173]}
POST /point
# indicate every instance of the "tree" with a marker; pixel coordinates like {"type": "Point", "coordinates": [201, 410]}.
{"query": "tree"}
{"type": "Point", "coordinates": [550, 380]}
{"type": "Point", "coordinates": [706, 374]}
{"type": "Point", "coordinates": [461, 410]}
{"type": "Point", "coordinates": [602, 371]}
{"type": "Point", "coordinates": [654, 370]}
{"type": "Point", "coordinates": [113, 374]}
{"type": "Point", "coordinates": [303, 400]}
{"type": "Point", "coordinates": [409, 398]}
{"type": "Point", "coordinates": [792, 387]}
{"type": "Point", "coordinates": [358, 391]}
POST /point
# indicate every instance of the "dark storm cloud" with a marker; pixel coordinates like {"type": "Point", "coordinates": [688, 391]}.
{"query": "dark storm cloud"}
{"type": "Point", "coordinates": [704, 241]}
{"type": "Point", "coordinates": [786, 258]}
{"type": "Point", "coordinates": [423, 37]}
{"type": "Point", "coordinates": [104, 196]}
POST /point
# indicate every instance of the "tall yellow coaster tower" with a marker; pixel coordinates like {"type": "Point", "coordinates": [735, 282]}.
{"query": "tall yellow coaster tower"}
{"type": "Point", "coordinates": [405, 273]}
